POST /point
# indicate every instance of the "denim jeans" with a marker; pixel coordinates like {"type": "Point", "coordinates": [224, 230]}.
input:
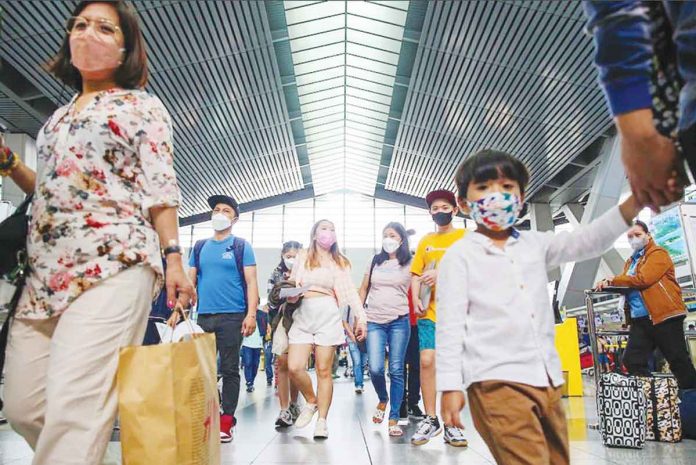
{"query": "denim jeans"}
{"type": "Point", "coordinates": [250, 359]}
{"type": "Point", "coordinates": [227, 328]}
{"type": "Point", "coordinates": [394, 335]}
{"type": "Point", "coordinates": [359, 359]}
{"type": "Point", "coordinates": [268, 359]}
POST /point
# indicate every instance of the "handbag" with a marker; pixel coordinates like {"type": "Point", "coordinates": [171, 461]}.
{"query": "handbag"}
{"type": "Point", "coordinates": [13, 264]}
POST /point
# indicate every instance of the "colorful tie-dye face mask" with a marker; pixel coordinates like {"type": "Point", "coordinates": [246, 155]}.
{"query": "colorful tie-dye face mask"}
{"type": "Point", "coordinates": [497, 211]}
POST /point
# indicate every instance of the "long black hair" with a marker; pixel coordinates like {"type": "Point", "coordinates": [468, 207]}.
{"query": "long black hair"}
{"type": "Point", "coordinates": [403, 253]}
{"type": "Point", "coordinates": [287, 247]}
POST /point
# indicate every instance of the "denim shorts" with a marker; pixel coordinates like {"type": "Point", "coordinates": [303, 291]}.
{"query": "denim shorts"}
{"type": "Point", "coordinates": [426, 334]}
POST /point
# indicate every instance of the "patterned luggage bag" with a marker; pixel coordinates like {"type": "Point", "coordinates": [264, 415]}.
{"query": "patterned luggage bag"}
{"type": "Point", "coordinates": [663, 422]}
{"type": "Point", "coordinates": [622, 408]}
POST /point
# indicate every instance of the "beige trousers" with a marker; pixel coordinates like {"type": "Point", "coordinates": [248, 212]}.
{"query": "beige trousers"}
{"type": "Point", "coordinates": [60, 388]}
{"type": "Point", "coordinates": [521, 424]}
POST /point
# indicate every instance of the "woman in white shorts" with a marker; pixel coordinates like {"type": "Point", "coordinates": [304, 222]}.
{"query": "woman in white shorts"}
{"type": "Point", "coordinates": [287, 391]}
{"type": "Point", "coordinates": [325, 274]}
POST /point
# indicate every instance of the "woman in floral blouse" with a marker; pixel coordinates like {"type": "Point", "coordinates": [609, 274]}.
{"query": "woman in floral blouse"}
{"type": "Point", "coordinates": [104, 201]}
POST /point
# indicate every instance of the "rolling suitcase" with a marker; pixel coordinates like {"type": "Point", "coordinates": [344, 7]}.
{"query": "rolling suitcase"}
{"type": "Point", "coordinates": [621, 405]}
{"type": "Point", "coordinates": [663, 422]}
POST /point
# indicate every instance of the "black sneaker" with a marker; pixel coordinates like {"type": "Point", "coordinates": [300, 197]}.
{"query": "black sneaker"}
{"type": "Point", "coordinates": [269, 382]}
{"type": "Point", "coordinates": [415, 412]}
{"type": "Point", "coordinates": [284, 419]}
{"type": "Point", "coordinates": [427, 429]}
{"type": "Point", "coordinates": [250, 388]}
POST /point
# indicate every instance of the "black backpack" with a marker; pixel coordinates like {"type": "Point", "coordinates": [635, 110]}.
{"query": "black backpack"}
{"type": "Point", "coordinates": [238, 245]}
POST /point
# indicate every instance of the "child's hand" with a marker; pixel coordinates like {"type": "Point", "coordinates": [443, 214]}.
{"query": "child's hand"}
{"type": "Point", "coordinates": [418, 309]}
{"type": "Point", "coordinates": [294, 299]}
{"type": "Point", "coordinates": [452, 404]}
{"type": "Point", "coordinates": [429, 277]}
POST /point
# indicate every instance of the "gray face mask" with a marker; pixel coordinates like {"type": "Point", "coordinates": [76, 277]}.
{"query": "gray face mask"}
{"type": "Point", "coordinates": [638, 243]}
{"type": "Point", "coordinates": [289, 263]}
{"type": "Point", "coordinates": [220, 222]}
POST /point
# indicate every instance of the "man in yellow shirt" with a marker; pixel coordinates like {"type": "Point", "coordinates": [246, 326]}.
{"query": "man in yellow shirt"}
{"type": "Point", "coordinates": [431, 249]}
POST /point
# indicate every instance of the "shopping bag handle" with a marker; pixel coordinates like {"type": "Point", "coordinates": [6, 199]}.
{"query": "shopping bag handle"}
{"type": "Point", "coordinates": [184, 315]}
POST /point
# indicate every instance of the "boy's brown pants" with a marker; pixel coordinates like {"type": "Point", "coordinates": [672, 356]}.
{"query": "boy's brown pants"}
{"type": "Point", "coordinates": [521, 424]}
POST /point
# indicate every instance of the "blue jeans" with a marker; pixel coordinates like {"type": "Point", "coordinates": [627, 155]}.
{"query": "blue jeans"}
{"type": "Point", "coordinates": [251, 359]}
{"type": "Point", "coordinates": [268, 357]}
{"type": "Point", "coordinates": [358, 363]}
{"type": "Point", "coordinates": [395, 335]}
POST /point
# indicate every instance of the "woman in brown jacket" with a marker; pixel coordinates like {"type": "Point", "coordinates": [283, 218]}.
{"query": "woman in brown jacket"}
{"type": "Point", "coordinates": [655, 307]}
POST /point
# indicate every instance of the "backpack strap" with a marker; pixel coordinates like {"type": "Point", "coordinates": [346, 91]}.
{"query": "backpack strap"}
{"type": "Point", "coordinates": [238, 246]}
{"type": "Point", "coordinates": [198, 246]}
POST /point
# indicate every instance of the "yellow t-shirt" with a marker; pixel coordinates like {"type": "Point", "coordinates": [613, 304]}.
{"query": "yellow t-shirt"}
{"type": "Point", "coordinates": [430, 251]}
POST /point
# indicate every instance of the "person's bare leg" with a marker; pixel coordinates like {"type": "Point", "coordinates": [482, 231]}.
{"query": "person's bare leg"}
{"type": "Point", "coordinates": [297, 367]}
{"type": "Point", "coordinates": [427, 377]}
{"type": "Point", "coordinates": [324, 365]}
{"type": "Point", "coordinates": [294, 392]}
{"type": "Point", "coordinates": [283, 382]}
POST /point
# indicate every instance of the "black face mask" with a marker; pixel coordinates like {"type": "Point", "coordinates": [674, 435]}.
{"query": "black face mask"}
{"type": "Point", "coordinates": [442, 218]}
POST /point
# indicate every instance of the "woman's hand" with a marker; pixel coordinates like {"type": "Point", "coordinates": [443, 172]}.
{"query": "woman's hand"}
{"type": "Point", "coordinates": [600, 286]}
{"type": "Point", "coordinates": [360, 331]}
{"type": "Point", "coordinates": [429, 277]}
{"type": "Point", "coordinates": [293, 299]}
{"type": "Point", "coordinates": [180, 290]}
{"type": "Point", "coordinates": [418, 308]}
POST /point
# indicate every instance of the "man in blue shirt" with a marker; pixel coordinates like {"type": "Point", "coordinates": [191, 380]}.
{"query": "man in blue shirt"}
{"type": "Point", "coordinates": [227, 298]}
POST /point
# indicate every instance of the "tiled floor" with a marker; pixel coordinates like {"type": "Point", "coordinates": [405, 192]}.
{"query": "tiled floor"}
{"type": "Point", "coordinates": [354, 440]}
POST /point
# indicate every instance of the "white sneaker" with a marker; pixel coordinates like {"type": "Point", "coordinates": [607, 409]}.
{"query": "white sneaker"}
{"type": "Point", "coordinates": [455, 436]}
{"type": "Point", "coordinates": [321, 430]}
{"type": "Point", "coordinates": [306, 415]}
{"type": "Point", "coordinates": [427, 429]}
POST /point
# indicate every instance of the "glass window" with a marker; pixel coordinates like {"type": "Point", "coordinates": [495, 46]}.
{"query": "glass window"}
{"type": "Point", "coordinates": [402, 5]}
{"type": "Point", "coordinates": [326, 127]}
{"type": "Point", "coordinates": [318, 53]}
{"type": "Point", "coordinates": [370, 113]}
{"type": "Point", "coordinates": [364, 63]}
{"type": "Point", "coordinates": [322, 95]}
{"type": "Point", "coordinates": [318, 65]}
{"type": "Point", "coordinates": [317, 27]}
{"type": "Point", "coordinates": [383, 43]}
{"type": "Point", "coordinates": [366, 124]}
{"type": "Point", "coordinates": [323, 120]}
{"type": "Point", "coordinates": [376, 27]}
{"type": "Point", "coordinates": [323, 104]}
{"type": "Point", "coordinates": [370, 76]}
{"type": "Point", "coordinates": [378, 12]}
{"type": "Point", "coordinates": [320, 76]}
{"type": "Point", "coordinates": [320, 85]}
{"type": "Point", "coordinates": [309, 115]}
{"type": "Point", "coordinates": [370, 86]}
{"type": "Point", "coordinates": [329, 37]}
{"type": "Point", "coordinates": [372, 53]}
{"type": "Point", "coordinates": [359, 94]}
{"type": "Point", "coordinates": [314, 12]}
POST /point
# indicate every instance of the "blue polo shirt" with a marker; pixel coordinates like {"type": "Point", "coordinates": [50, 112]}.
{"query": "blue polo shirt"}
{"type": "Point", "coordinates": [220, 283]}
{"type": "Point", "coordinates": [635, 300]}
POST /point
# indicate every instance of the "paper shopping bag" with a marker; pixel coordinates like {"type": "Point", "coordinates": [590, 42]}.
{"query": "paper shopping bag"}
{"type": "Point", "coordinates": [168, 403]}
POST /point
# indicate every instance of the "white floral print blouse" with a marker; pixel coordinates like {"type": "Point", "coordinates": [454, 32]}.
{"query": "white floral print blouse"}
{"type": "Point", "coordinates": [104, 168]}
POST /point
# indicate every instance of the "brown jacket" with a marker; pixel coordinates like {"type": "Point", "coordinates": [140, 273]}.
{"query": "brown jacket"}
{"type": "Point", "coordinates": [655, 279]}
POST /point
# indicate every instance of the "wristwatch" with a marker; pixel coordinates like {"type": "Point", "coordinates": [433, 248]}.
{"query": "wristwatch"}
{"type": "Point", "coordinates": [172, 247]}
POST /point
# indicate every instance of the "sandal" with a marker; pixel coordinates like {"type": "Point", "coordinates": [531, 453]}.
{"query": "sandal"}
{"type": "Point", "coordinates": [395, 431]}
{"type": "Point", "coordinates": [378, 416]}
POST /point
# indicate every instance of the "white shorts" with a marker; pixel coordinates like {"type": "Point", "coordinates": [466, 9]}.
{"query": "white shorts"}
{"type": "Point", "coordinates": [317, 321]}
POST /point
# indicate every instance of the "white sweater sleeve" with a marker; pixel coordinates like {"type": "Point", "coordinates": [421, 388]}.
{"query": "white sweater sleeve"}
{"type": "Point", "coordinates": [586, 241]}
{"type": "Point", "coordinates": [452, 307]}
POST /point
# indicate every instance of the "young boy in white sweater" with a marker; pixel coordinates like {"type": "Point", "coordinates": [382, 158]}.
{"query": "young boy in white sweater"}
{"type": "Point", "coordinates": [495, 332]}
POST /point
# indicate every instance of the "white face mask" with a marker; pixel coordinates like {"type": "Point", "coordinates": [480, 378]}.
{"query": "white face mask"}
{"type": "Point", "coordinates": [638, 243]}
{"type": "Point", "coordinates": [220, 222]}
{"type": "Point", "coordinates": [289, 263]}
{"type": "Point", "coordinates": [390, 245]}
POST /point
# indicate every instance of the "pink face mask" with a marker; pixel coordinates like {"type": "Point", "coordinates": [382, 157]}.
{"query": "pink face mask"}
{"type": "Point", "coordinates": [91, 52]}
{"type": "Point", "coordinates": [326, 239]}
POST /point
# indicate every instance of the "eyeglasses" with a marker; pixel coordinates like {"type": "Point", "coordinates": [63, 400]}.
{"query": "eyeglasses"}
{"type": "Point", "coordinates": [79, 25]}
